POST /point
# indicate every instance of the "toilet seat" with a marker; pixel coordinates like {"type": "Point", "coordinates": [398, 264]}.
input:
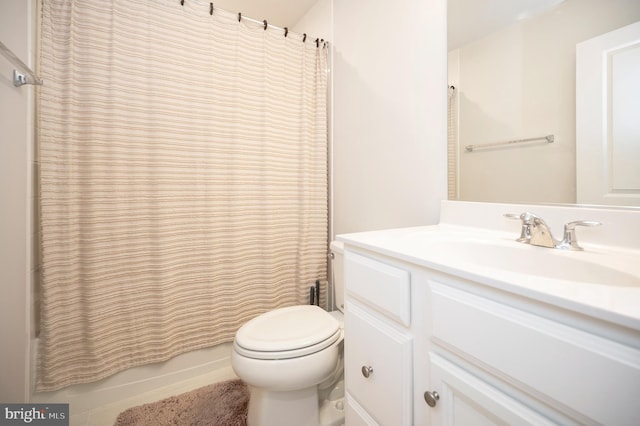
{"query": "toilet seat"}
{"type": "Point", "coordinates": [289, 332]}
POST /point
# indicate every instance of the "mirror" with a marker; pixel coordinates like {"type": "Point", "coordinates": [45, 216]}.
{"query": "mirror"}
{"type": "Point", "coordinates": [512, 64]}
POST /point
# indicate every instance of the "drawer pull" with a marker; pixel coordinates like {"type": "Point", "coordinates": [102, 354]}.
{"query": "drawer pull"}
{"type": "Point", "coordinates": [367, 371]}
{"type": "Point", "coordinates": [432, 398]}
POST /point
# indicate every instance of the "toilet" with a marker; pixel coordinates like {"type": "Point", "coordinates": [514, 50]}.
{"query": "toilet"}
{"type": "Point", "coordinates": [291, 359]}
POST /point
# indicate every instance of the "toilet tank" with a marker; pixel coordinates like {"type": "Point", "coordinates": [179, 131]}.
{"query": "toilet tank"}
{"type": "Point", "coordinates": [337, 273]}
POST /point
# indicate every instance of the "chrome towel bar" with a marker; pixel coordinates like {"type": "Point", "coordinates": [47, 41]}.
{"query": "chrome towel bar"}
{"type": "Point", "coordinates": [470, 148]}
{"type": "Point", "coordinates": [18, 77]}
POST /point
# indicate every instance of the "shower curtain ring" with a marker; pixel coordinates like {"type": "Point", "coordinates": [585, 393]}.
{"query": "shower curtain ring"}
{"type": "Point", "coordinates": [265, 24]}
{"type": "Point", "coordinates": [210, 8]}
{"type": "Point", "coordinates": [286, 31]}
{"type": "Point", "coordinates": [239, 16]}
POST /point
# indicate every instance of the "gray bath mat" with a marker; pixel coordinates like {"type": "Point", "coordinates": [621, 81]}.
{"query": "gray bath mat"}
{"type": "Point", "coordinates": [220, 404]}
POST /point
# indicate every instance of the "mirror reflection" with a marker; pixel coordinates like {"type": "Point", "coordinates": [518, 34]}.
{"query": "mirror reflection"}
{"type": "Point", "coordinates": [512, 65]}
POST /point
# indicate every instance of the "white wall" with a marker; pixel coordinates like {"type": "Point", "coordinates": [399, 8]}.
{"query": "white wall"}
{"type": "Point", "coordinates": [389, 113]}
{"type": "Point", "coordinates": [518, 83]}
{"type": "Point", "coordinates": [317, 22]}
{"type": "Point", "coordinates": [388, 110]}
{"type": "Point", "coordinates": [15, 204]}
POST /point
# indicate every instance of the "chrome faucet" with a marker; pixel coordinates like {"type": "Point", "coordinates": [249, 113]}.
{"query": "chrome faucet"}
{"type": "Point", "coordinates": [569, 241]}
{"type": "Point", "coordinates": [536, 232]}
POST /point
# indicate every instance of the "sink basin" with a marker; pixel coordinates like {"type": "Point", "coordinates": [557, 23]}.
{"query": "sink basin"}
{"type": "Point", "coordinates": [495, 256]}
{"type": "Point", "coordinates": [530, 260]}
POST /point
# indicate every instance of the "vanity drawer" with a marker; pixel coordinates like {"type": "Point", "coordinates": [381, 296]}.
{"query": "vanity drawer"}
{"type": "Point", "coordinates": [377, 368]}
{"type": "Point", "coordinates": [379, 285]}
{"type": "Point", "coordinates": [563, 366]}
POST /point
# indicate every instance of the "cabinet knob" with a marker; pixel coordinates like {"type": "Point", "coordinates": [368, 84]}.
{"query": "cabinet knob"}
{"type": "Point", "coordinates": [432, 398]}
{"type": "Point", "coordinates": [367, 371]}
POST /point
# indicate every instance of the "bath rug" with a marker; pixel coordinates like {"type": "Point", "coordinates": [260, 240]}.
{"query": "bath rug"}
{"type": "Point", "coordinates": [220, 404]}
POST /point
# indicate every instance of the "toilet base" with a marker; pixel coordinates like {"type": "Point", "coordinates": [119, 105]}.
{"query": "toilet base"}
{"type": "Point", "coordinates": [294, 408]}
{"type": "Point", "coordinates": [299, 408]}
{"type": "Point", "coordinates": [332, 411]}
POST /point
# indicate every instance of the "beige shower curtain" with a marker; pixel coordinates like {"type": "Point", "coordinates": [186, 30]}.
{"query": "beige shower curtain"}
{"type": "Point", "coordinates": [182, 182]}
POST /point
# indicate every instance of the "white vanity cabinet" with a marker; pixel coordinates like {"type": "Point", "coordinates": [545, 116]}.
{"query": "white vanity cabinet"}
{"type": "Point", "coordinates": [480, 354]}
{"type": "Point", "coordinates": [378, 351]}
{"type": "Point", "coordinates": [503, 358]}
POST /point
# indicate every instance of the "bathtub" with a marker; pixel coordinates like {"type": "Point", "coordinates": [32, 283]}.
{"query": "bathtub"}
{"type": "Point", "coordinates": [100, 402]}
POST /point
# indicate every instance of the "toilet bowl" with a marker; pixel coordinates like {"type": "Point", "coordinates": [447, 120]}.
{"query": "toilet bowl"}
{"type": "Point", "coordinates": [291, 358]}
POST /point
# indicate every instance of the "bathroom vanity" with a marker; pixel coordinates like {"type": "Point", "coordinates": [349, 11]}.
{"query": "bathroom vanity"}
{"type": "Point", "coordinates": [459, 324]}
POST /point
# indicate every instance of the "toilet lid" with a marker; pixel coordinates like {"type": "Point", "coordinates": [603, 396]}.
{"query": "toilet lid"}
{"type": "Point", "coordinates": [301, 329]}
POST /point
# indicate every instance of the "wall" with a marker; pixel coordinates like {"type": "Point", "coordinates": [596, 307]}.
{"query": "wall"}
{"type": "Point", "coordinates": [389, 113]}
{"type": "Point", "coordinates": [519, 83]}
{"type": "Point", "coordinates": [15, 203]}
{"type": "Point", "coordinates": [317, 21]}
{"type": "Point", "coordinates": [388, 110]}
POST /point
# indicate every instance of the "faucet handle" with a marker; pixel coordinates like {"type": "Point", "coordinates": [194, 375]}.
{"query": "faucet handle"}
{"type": "Point", "coordinates": [512, 215]}
{"type": "Point", "coordinates": [527, 219]}
{"type": "Point", "coordinates": [569, 241]}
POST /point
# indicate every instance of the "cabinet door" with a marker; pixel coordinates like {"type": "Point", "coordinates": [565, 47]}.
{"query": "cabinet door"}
{"type": "Point", "coordinates": [386, 351]}
{"type": "Point", "coordinates": [355, 415]}
{"type": "Point", "coordinates": [464, 400]}
{"type": "Point", "coordinates": [569, 369]}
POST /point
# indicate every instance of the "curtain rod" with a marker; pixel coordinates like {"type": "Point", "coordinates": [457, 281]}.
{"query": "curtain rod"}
{"type": "Point", "coordinates": [18, 78]}
{"type": "Point", "coordinates": [264, 23]}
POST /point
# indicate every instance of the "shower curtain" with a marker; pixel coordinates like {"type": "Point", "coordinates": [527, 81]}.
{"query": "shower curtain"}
{"type": "Point", "coordinates": [182, 180]}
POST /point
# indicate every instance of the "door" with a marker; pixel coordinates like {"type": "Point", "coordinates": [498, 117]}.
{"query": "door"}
{"type": "Point", "coordinates": [465, 399]}
{"type": "Point", "coordinates": [608, 118]}
{"type": "Point", "coordinates": [377, 369]}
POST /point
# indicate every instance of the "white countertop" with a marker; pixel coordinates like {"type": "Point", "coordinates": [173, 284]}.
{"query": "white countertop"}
{"type": "Point", "coordinates": [617, 302]}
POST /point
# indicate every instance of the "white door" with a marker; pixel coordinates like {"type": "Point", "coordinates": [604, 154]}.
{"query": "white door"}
{"type": "Point", "coordinates": [464, 399]}
{"type": "Point", "coordinates": [377, 370]}
{"type": "Point", "coordinates": [608, 118]}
